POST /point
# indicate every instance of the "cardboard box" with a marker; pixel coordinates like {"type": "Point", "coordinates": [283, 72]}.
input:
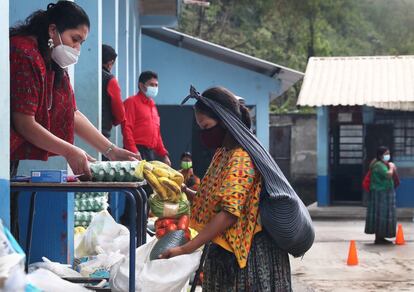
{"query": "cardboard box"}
{"type": "Point", "coordinates": [49, 176]}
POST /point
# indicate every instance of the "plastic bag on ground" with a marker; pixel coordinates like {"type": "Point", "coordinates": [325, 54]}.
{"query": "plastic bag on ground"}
{"type": "Point", "coordinates": [106, 233]}
{"type": "Point", "coordinates": [63, 271]}
{"type": "Point", "coordinates": [170, 275]}
{"type": "Point", "coordinates": [100, 266]}
{"type": "Point", "coordinates": [47, 281]}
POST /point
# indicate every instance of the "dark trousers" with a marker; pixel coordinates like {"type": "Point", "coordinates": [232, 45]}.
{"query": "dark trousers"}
{"type": "Point", "coordinates": [146, 153]}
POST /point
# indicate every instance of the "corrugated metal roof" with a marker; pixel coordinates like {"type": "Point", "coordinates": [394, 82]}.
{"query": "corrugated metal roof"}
{"type": "Point", "coordinates": [379, 81]}
{"type": "Point", "coordinates": [287, 76]}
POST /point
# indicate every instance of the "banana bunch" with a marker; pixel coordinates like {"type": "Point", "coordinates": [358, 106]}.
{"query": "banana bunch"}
{"type": "Point", "coordinates": [165, 180]}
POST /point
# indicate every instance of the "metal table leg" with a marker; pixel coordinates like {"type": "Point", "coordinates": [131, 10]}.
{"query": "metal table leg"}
{"type": "Point", "coordinates": [32, 212]}
{"type": "Point", "coordinates": [142, 218]}
{"type": "Point", "coordinates": [132, 233]}
{"type": "Point", "coordinates": [144, 215]}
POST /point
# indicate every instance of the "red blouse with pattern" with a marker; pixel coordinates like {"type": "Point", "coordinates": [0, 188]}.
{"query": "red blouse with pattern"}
{"type": "Point", "coordinates": [32, 93]}
{"type": "Point", "coordinates": [232, 184]}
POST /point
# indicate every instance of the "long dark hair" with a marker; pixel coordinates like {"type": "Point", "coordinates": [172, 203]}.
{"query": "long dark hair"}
{"type": "Point", "coordinates": [380, 152]}
{"type": "Point", "coordinates": [227, 99]}
{"type": "Point", "coordinates": [64, 14]}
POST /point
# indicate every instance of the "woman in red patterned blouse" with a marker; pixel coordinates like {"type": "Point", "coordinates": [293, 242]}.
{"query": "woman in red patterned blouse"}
{"type": "Point", "coordinates": [43, 107]}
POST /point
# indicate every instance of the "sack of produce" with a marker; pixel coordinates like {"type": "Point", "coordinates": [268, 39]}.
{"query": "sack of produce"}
{"type": "Point", "coordinates": [153, 276]}
{"type": "Point", "coordinates": [162, 209]}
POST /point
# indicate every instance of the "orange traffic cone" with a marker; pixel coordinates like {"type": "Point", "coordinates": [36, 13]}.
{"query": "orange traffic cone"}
{"type": "Point", "coordinates": [400, 236]}
{"type": "Point", "coordinates": [352, 255]}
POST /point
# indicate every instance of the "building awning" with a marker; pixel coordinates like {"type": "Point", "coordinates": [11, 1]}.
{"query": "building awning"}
{"type": "Point", "coordinates": [380, 81]}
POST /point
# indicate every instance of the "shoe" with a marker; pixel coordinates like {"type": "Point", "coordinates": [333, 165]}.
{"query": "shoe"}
{"type": "Point", "coordinates": [382, 241]}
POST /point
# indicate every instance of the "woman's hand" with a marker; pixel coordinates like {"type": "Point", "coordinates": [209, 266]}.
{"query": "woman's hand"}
{"type": "Point", "coordinates": [189, 192]}
{"type": "Point", "coordinates": [173, 252]}
{"type": "Point", "coordinates": [78, 161]}
{"type": "Point", "coordinates": [119, 154]}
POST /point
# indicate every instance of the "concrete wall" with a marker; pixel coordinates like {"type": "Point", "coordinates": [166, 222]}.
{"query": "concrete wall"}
{"type": "Point", "coordinates": [303, 153]}
{"type": "Point", "coordinates": [178, 68]}
{"type": "Point", "coordinates": [303, 143]}
{"type": "Point", "coordinates": [4, 114]}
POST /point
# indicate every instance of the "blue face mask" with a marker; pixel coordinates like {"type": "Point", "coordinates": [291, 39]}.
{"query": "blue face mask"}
{"type": "Point", "coordinates": [152, 91]}
{"type": "Point", "coordinates": [386, 157]}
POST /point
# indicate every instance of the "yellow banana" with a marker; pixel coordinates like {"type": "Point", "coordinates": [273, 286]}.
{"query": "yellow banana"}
{"type": "Point", "coordinates": [173, 174]}
{"type": "Point", "coordinates": [178, 178]}
{"type": "Point", "coordinates": [155, 184]}
{"type": "Point", "coordinates": [170, 184]}
{"type": "Point", "coordinates": [148, 166]}
{"type": "Point", "coordinates": [160, 172]}
{"type": "Point", "coordinates": [160, 164]}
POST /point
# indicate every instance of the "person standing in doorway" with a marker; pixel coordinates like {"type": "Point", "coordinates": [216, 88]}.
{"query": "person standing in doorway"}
{"type": "Point", "coordinates": [142, 129]}
{"type": "Point", "coordinates": [381, 218]}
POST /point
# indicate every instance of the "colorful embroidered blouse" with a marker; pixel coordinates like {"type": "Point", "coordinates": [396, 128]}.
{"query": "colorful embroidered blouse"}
{"type": "Point", "coordinates": [232, 184]}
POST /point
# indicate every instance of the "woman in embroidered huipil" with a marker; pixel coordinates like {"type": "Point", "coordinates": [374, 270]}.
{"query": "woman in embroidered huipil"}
{"type": "Point", "coordinates": [225, 210]}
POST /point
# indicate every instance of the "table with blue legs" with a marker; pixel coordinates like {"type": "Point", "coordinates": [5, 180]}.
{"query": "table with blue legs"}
{"type": "Point", "coordinates": [134, 194]}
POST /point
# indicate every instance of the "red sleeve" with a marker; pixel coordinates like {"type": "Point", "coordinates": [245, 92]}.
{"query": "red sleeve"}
{"type": "Point", "coordinates": [127, 126]}
{"type": "Point", "coordinates": [24, 84]}
{"type": "Point", "coordinates": [160, 148]}
{"type": "Point", "coordinates": [118, 111]}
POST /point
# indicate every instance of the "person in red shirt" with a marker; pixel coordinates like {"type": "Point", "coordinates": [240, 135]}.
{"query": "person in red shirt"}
{"type": "Point", "coordinates": [142, 130]}
{"type": "Point", "coordinates": [44, 116]}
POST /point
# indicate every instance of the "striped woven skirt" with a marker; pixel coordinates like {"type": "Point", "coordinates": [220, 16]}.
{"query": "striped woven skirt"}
{"type": "Point", "coordinates": [381, 217]}
{"type": "Point", "coordinates": [267, 269]}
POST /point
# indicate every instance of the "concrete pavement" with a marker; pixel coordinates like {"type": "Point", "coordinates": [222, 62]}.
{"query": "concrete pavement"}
{"type": "Point", "coordinates": [381, 267]}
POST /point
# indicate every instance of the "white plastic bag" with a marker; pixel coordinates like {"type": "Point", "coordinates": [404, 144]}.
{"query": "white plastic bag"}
{"type": "Point", "coordinates": [12, 277]}
{"type": "Point", "coordinates": [106, 233]}
{"type": "Point", "coordinates": [49, 282]}
{"type": "Point", "coordinates": [167, 275]}
{"type": "Point", "coordinates": [101, 265]}
{"type": "Point", "coordinates": [63, 271]}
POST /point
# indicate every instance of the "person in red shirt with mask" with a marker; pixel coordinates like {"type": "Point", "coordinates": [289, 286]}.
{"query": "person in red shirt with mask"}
{"type": "Point", "coordinates": [142, 130]}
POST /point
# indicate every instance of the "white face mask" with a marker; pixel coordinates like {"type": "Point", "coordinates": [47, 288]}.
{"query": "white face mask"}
{"type": "Point", "coordinates": [65, 55]}
{"type": "Point", "coordinates": [386, 157]}
{"type": "Point", "coordinates": [152, 91]}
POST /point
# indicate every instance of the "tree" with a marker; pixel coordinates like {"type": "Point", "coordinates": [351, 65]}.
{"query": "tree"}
{"type": "Point", "coordinates": [289, 32]}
